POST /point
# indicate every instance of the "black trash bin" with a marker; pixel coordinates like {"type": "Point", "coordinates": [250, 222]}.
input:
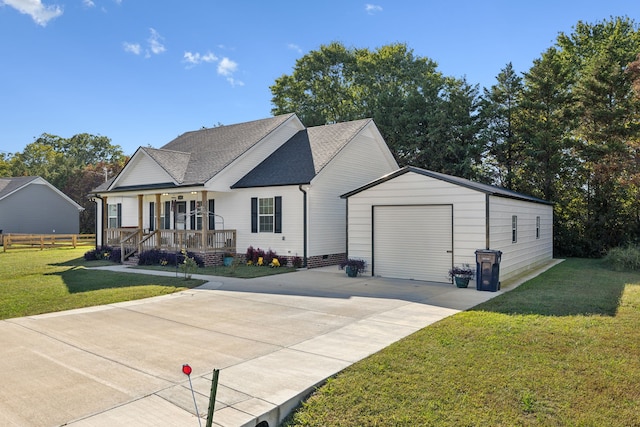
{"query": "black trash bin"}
{"type": "Point", "coordinates": [488, 268]}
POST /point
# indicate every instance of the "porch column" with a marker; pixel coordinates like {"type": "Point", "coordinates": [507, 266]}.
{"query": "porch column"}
{"type": "Point", "coordinates": [105, 220]}
{"type": "Point", "coordinates": [140, 223]}
{"type": "Point", "coordinates": [158, 220]}
{"type": "Point", "coordinates": [205, 218]}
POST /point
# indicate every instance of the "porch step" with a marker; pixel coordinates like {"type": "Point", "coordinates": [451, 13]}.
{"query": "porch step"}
{"type": "Point", "coordinates": [133, 260]}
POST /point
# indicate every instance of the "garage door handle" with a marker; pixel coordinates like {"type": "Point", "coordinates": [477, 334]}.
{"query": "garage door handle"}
{"type": "Point", "coordinates": [449, 252]}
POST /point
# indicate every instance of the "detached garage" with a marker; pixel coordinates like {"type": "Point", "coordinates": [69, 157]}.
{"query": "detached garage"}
{"type": "Point", "coordinates": [417, 224]}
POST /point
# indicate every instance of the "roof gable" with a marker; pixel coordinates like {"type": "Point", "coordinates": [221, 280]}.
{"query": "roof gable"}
{"type": "Point", "coordinates": [303, 156]}
{"type": "Point", "coordinates": [483, 188]}
{"type": "Point", "coordinates": [214, 149]}
{"type": "Point", "coordinates": [8, 186]}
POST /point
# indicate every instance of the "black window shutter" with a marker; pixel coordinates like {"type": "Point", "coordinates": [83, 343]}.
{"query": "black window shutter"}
{"type": "Point", "coordinates": [212, 217]}
{"type": "Point", "coordinates": [254, 214]}
{"type": "Point", "coordinates": [167, 215]}
{"type": "Point", "coordinates": [119, 215]}
{"type": "Point", "coordinates": [192, 214]}
{"type": "Point", "coordinates": [277, 211]}
{"type": "Point", "coordinates": [152, 215]}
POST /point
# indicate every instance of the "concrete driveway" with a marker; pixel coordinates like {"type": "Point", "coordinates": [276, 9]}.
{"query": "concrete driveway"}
{"type": "Point", "coordinates": [274, 339]}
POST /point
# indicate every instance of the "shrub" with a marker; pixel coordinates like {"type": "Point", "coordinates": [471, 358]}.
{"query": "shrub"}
{"type": "Point", "coordinates": [624, 258]}
{"type": "Point", "coordinates": [269, 256]}
{"type": "Point", "coordinates": [253, 255]}
{"type": "Point", "coordinates": [103, 253]}
{"type": "Point", "coordinates": [296, 262]}
{"type": "Point", "coordinates": [160, 257]}
{"type": "Point", "coordinates": [358, 264]}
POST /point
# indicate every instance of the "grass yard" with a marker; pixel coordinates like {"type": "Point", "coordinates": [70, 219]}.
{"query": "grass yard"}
{"type": "Point", "coordinates": [35, 282]}
{"type": "Point", "coordinates": [561, 350]}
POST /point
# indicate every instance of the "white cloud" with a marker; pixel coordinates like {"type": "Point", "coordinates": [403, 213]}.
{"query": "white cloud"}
{"type": "Point", "coordinates": [134, 48]}
{"type": "Point", "coordinates": [154, 42]}
{"type": "Point", "coordinates": [88, 3]}
{"type": "Point", "coordinates": [196, 58]}
{"type": "Point", "coordinates": [295, 47]}
{"type": "Point", "coordinates": [233, 82]}
{"type": "Point", "coordinates": [155, 45]}
{"type": "Point", "coordinates": [40, 13]}
{"type": "Point", "coordinates": [372, 8]}
{"type": "Point", "coordinates": [227, 67]}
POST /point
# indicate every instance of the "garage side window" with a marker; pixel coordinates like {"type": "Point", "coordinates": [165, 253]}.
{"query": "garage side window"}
{"type": "Point", "coordinates": [514, 229]}
{"type": "Point", "coordinates": [537, 227]}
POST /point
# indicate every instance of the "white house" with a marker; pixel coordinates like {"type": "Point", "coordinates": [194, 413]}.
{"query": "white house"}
{"type": "Point", "coordinates": [271, 184]}
{"type": "Point", "coordinates": [417, 224]}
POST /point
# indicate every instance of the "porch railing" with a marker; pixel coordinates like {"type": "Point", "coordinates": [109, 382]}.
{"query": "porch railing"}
{"type": "Point", "coordinates": [133, 239]}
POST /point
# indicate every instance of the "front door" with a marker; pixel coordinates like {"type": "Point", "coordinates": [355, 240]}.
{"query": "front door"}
{"type": "Point", "coordinates": [181, 216]}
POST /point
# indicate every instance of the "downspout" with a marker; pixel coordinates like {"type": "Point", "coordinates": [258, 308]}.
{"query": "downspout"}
{"type": "Point", "coordinates": [304, 225]}
{"type": "Point", "coordinates": [487, 221]}
{"type": "Point", "coordinates": [93, 199]}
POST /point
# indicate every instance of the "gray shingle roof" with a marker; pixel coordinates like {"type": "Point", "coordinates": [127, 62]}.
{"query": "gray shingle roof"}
{"type": "Point", "coordinates": [174, 162]}
{"type": "Point", "coordinates": [484, 188]}
{"type": "Point", "coordinates": [300, 159]}
{"type": "Point", "coordinates": [9, 185]}
{"type": "Point", "coordinates": [211, 150]}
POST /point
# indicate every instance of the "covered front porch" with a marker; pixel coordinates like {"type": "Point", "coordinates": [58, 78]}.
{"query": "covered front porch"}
{"type": "Point", "coordinates": [136, 240]}
{"type": "Point", "coordinates": [176, 221]}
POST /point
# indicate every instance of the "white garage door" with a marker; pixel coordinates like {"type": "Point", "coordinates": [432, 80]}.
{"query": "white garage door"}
{"type": "Point", "coordinates": [413, 242]}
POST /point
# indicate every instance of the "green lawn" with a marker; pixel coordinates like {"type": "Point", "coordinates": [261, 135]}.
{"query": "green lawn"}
{"type": "Point", "coordinates": [34, 282]}
{"type": "Point", "coordinates": [560, 350]}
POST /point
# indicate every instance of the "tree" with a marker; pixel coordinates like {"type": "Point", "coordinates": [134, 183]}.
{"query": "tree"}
{"type": "Point", "coordinates": [322, 87]}
{"type": "Point", "coordinates": [455, 147]}
{"type": "Point", "coordinates": [73, 165]}
{"type": "Point", "coordinates": [426, 119]}
{"type": "Point", "coordinates": [499, 109]}
{"type": "Point", "coordinates": [607, 126]}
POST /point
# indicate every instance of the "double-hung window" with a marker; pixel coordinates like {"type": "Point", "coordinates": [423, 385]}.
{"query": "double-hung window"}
{"type": "Point", "coordinates": [266, 214]}
{"type": "Point", "coordinates": [114, 213]}
{"type": "Point", "coordinates": [514, 229]}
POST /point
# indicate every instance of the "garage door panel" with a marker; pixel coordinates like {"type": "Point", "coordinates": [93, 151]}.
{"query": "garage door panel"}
{"type": "Point", "coordinates": [413, 242]}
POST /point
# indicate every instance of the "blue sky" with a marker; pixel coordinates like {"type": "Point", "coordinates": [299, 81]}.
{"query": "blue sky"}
{"type": "Point", "coordinates": [142, 72]}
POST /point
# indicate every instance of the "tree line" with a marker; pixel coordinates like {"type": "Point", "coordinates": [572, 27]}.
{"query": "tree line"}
{"type": "Point", "coordinates": [567, 130]}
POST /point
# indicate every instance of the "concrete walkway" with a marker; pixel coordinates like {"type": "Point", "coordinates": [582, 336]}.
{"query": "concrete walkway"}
{"type": "Point", "coordinates": [274, 339]}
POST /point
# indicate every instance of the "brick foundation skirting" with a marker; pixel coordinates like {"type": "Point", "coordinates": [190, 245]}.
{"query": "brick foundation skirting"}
{"type": "Point", "coordinates": [325, 260]}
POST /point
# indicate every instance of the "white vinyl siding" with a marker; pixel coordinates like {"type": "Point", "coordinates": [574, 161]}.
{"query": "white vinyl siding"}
{"type": "Point", "coordinates": [413, 242]}
{"type": "Point", "coordinates": [362, 160]}
{"type": "Point", "coordinates": [234, 209]}
{"type": "Point", "coordinates": [469, 223]}
{"type": "Point", "coordinates": [528, 250]}
{"type": "Point", "coordinates": [143, 170]}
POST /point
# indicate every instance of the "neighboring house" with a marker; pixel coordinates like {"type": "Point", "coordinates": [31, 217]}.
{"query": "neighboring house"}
{"type": "Point", "coordinates": [271, 184]}
{"type": "Point", "coordinates": [30, 204]}
{"type": "Point", "coordinates": [417, 224]}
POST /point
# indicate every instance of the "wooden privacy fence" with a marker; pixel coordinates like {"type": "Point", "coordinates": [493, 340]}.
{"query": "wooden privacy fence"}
{"type": "Point", "coordinates": [41, 241]}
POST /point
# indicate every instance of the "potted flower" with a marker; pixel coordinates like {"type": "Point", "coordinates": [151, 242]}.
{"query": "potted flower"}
{"type": "Point", "coordinates": [462, 275]}
{"type": "Point", "coordinates": [352, 266]}
{"type": "Point", "coordinates": [227, 259]}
